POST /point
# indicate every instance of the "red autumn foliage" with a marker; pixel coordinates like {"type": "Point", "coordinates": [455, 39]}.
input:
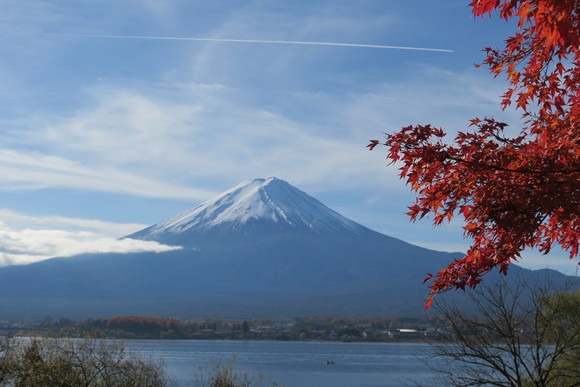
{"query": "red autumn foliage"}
{"type": "Point", "coordinates": [514, 192]}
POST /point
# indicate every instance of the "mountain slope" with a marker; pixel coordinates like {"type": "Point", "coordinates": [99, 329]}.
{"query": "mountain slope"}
{"type": "Point", "coordinates": [261, 249]}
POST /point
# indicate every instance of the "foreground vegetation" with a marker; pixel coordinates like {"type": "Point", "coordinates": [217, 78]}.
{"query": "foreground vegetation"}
{"type": "Point", "coordinates": [227, 374]}
{"type": "Point", "coordinates": [518, 334]}
{"type": "Point", "coordinates": [66, 362]}
{"type": "Point", "coordinates": [50, 361]}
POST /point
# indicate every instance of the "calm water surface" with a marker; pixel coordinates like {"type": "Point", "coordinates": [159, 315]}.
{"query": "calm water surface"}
{"type": "Point", "coordinates": [295, 364]}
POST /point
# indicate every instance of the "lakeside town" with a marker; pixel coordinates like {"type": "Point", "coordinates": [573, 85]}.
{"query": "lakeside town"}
{"type": "Point", "coordinates": [344, 329]}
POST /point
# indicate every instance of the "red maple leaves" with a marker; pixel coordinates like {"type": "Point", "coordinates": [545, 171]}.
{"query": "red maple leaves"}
{"type": "Point", "coordinates": [513, 192]}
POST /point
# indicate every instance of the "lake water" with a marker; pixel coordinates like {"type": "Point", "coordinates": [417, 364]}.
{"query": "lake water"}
{"type": "Point", "coordinates": [295, 364]}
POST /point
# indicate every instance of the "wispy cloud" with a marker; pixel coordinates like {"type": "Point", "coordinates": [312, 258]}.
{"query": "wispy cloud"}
{"type": "Point", "coordinates": [19, 221]}
{"type": "Point", "coordinates": [132, 143]}
{"type": "Point", "coordinates": [35, 170]}
{"type": "Point", "coordinates": [154, 139]}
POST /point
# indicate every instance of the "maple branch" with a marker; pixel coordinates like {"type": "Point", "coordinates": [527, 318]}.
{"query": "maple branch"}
{"type": "Point", "coordinates": [522, 171]}
{"type": "Point", "coordinates": [514, 193]}
{"type": "Point", "coordinates": [446, 156]}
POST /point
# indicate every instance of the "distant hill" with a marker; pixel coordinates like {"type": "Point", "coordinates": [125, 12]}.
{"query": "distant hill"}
{"type": "Point", "coordinates": [261, 249]}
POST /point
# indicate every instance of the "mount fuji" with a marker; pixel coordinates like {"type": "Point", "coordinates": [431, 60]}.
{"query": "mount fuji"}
{"type": "Point", "coordinates": [261, 249]}
{"type": "Point", "coordinates": [253, 209]}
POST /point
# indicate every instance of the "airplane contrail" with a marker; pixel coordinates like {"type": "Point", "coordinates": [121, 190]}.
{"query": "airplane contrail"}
{"type": "Point", "coordinates": [258, 41]}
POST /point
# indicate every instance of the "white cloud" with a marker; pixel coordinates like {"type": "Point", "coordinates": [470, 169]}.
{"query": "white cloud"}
{"type": "Point", "coordinates": [152, 139]}
{"type": "Point", "coordinates": [138, 145]}
{"type": "Point", "coordinates": [130, 127]}
{"type": "Point", "coordinates": [64, 237]}
{"type": "Point", "coordinates": [225, 114]}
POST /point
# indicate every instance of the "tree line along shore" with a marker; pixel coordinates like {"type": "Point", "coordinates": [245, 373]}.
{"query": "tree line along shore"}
{"type": "Point", "coordinates": [359, 329]}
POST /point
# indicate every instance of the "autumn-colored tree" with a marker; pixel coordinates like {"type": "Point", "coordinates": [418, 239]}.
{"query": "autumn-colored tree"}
{"type": "Point", "coordinates": [514, 192]}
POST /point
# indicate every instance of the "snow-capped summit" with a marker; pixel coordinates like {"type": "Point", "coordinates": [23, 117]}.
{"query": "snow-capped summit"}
{"type": "Point", "coordinates": [254, 204]}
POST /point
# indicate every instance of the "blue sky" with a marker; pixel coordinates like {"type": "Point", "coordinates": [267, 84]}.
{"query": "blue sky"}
{"type": "Point", "coordinates": [101, 134]}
